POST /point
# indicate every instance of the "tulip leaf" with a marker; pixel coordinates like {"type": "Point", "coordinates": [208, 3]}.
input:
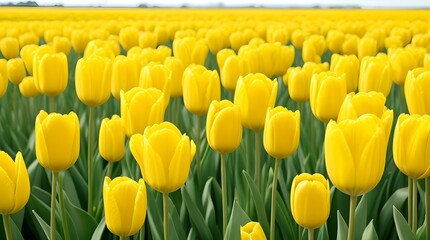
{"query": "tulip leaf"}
{"type": "Point", "coordinates": [46, 228]}
{"type": "Point", "coordinates": [370, 232]}
{"type": "Point", "coordinates": [403, 230]}
{"type": "Point", "coordinates": [176, 221]}
{"type": "Point", "coordinates": [285, 219]}
{"type": "Point", "coordinates": [97, 235]}
{"type": "Point", "coordinates": [421, 232]}
{"type": "Point", "coordinates": [154, 214]}
{"type": "Point", "coordinates": [196, 216]}
{"type": "Point", "coordinates": [192, 234]}
{"type": "Point", "coordinates": [397, 199]}
{"type": "Point", "coordinates": [342, 228]}
{"type": "Point", "coordinates": [323, 233]}
{"type": "Point", "coordinates": [360, 218]}
{"type": "Point", "coordinates": [259, 204]}
{"type": "Point", "coordinates": [238, 218]}
{"type": "Point", "coordinates": [209, 208]}
{"type": "Point", "coordinates": [16, 232]}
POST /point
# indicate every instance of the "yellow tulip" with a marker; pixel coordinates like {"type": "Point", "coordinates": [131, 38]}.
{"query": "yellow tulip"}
{"type": "Point", "coordinates": [28, 38]}
{"type": "Point", "coordinates": [222, 56]}
{"type": "Point", "coordinates": [404, 34]}
{"type": "Point", "coordinates": [3, 77]}
{"type": "Point", "coordinates": [401, 60]}
{"type": "Point", "coordinates": [129, 37]}
{"type": "Point", "coordinates": [62, 44]}
{"type": "Point", "coordinates": [411, 145]}
{"type": "Point", "coordinates": [281, 132]}
{"type": "Point", "coordinates": [375, 75]}
{"type": "Point", "coordinates": [426, 62]}
{"type": "Point", "coordinates": [27, 56]}
{"type": "Point", "coordinates": [298, 37]}
{"type": "Point", "coordinates": [3, 68]}
{"type": "Point", "coordinates": [15, 183]}
{"type": "Point", "coordinates": [176, 68]}
{"type": "Point", "coordinates": [298, 84]}
{"type": "Point", "coordinates": [190, 50]}
{"type": "Point", "coordinates": [164, 156]}
{"type": "Point", "coordinates": [133, 101]}
{"type": "Point", "coordinates": [50, 34]}
{"type": "Point", "coordinates": [233, 68]}
{"type": "Point", "coordinates": [309, 53]}
{"type": "Point", "coordinates": [348, 64]}
{"type": "Point", "coordinates": [79, 40]}
{"type": "Point", "coordinates": [162, 34]}
{"type": "Point", "coordinates": [223, 126]}
{"type": "Point", "coordinates": [124, 205]}
{"type": "Point", "coordinates": [350, 44]}
{"type": "Point", "coordinates": [327, 92]}
{"type": "Point", "coordinates": [335, 40]}
{"type": "Point", "coordinates": [253, 57]}
{"type": "Point", "coordinates": [200, 87]}
{"type": "Point", "coordinates": [15, 70]}
{"type": "Point", "coordinates": [156, 76]}
{"type": "Point", "coordinates": [252, 231]}
{"type": "Point", "coordinates": [216, 40]}
{"type": "Point", "coordinates": [277, 35]}
{"type": "Point", "coordinates": [125, 75]}
{"type": "Point", "coordinates": [57, 140]}
{"type": "Point", "coordinates": [393, 42]}
{"type": "Point", "coordinates": [28, 88]}
{"type": "Point", "coordinates": [148, 40]}
{"type": "Point", "coordinates": [254, 94]}
{"type": "Point", "coordinates": [51, 74]}
{"type": "Point", "coordinates": [310, 200]}
{"type": "Point", "coordinates": [355, 152]}
{"type": "Point", "coordinates": [367, 47]}
{"type": "Point", "coordinates": [112, 139]}
{"type": "Point", "coordinates": [358, 104]}
{"type": "Point", "coordinates": [9, 47]}
{"type": "Point", "coordinates": [417, 90]}
{"type": "Point", "coordinates": [93, 80]}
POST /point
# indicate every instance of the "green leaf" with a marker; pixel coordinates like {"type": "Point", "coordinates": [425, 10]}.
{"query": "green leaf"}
{"type": "Point", "coordinates": [97, 235]}
{"type": "Point", "coordinates": [209, 208]}
{"type": "Point", "coordinates": [238, 218]}
{"type": "Point", "coordinates": [323, 233]}
{"type": "Point", "coordinates": [175, 220]}
{"type": "Point", "coordinates": [258, 201]}
{"type": "Point", "coordinates": [385, 219]}
{"type": "Point", "coordinates": [360, 218]}
{"type": "Point", "coordinates": [46, 228]}
{"type": "Point", "coordinates": [370, 232]}
{"type": "Point", "coordinates": [154, 214]}
{"type": "Point", "coordinates": [342, 228]}
{"type": "Point", "coordinates": [402, 226]}
{"type": "Point", "coordinates": [421, 232]}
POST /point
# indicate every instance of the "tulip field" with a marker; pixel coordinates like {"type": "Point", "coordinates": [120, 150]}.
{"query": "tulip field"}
{"type": "Point", "coordinates": [164, 123]}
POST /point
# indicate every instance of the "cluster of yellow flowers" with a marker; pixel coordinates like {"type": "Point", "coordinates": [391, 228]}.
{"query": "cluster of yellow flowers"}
{"type": "Point", "coordinates": [131, 60]}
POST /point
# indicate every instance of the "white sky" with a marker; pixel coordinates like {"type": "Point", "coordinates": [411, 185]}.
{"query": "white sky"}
{"type": "Point", "coordinates": [235, 3]}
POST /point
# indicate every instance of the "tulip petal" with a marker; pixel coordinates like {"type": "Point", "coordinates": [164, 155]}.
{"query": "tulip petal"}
{"type": "Point", "coordinates": [136, 148]}
{"type": "Point", "coordinates": [22, 184]}
{"type": "Point", "coordinates": [8, 192]}
{"type": "Point", "coordinates": [178, 169]}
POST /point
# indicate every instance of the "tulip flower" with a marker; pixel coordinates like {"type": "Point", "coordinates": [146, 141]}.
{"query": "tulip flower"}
{"type": "Point", "coordinates": [348, 64]}
{"type": "Point", "coordinates": [280, 139]}
{"type": "Point", "coordinates": [125, 75]}
{"type": "Point", "coordinates": [275, 34]}
{"type": "Point", "coordinates": [367, 47]}
{"type": "Point", "coordinates": [129, 37]}
{"type": "Point", "coordinates": [393, 42]}
{"type": "Point", "coordinates": [335, 40]}
{"type": "Point", "coordinates": [28, 88]}
{"type": "Point", "coordinates": [309, 53]}
{"type": "Point", "coordinates": [310, 201]}
{"type": "Point", "coordinates": [401, 61]}
{"type": "Point", "coordinates": [298, 37]}
{"type": "Point", "coordinates": [253, 55]}
{"type": "Point", "coordinates": [62, 44]}
{"type": "Point", "coordinates": [3, 78]}
{"type": "Point", "coordinates": [417, 90]}
{"type": "Point", "coordinates": [51, 74]}
{"type": "Point", "coordinates": [112, 139]}
{"type": "Point", "coordinates": [233, 68]}
{"type": "Point", "coordinates": [79, 40]}
{"type": "Point", "coordinates": [358, 104]}
{"type": "Point", "coordinates": [15, 187]}
{"type": "Point", "coordinates": [148, 40]}
{"type": "Point", "coordinates": [27, 56]}
{"type": "Point", "coordinates": [124, 205]}
{"type": "Point", "coordinates": [15, 70]}
{"type": "Point", "coordinates": [9, 47]}
{"type": "Point", "coordinates": [426, 61]}
{"type": "Point", "coordinates": [28, 38]}
{"type": "Point", "coordinates": [132, 102]}
{"type": "Point", "coordinates": [190, 50]}
{"type": "Point", "coordinates": [375, 74]}
{"type": "Point", "coordinates": [156, 76]}
{"type": "Point", "coordinates": [350, 44]}
{"type": "Point", "coordinates": [216, 40]}
{"type": "Point", "coordinates": [176, 68]}
{"type": "Point", "coordinates": [252, 231]}
{"type": "Point", "coordinates": [3, 68]}
{"type": "Point", "coordinates": [222, 56]}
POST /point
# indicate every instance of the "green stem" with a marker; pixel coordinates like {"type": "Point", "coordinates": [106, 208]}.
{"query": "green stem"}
{"type": "Point", "coordinates": [109, 169]}
{"type": "Point", "coordinates": [224, 193]}
{"type": "Point", "coordinates": [142, 233]}
{"type": "Point", "coordinates": [90, 160]}
{"type": "Point", "coordinates": [121, 238]}
{"type": "Point", "coordinates": [414, 206]}
{"type": "Point", "coordinates": [352, 206]}
{"type": "Point", "coordinates": [52, 104]}
{"type": "Point", "coordinates": [257, 158]}
{"type": "Point", "coordinates": [410, 201]}
{"type": "Point", "coordinates": [53, 194]}
{"type": "Point", "coordinates": [6, 224]}
{"type": "Point", "coordinates": [427, 208]}
{"type": "Point", "coordinates": [166, 215]}
{"type": "Point", "coordinates": [198, 143]}
{"type": "Point", "coordinates": [63, 209]}
{"type": "Point", "coordinates": [273, 210]}
{"type": "Point", "coordinates": [310, 234]}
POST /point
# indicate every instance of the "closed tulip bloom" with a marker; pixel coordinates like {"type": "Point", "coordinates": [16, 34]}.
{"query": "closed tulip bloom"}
{"type": "Point", "coordinates": [176, 68]}
{"type": "Point", "coordinates": [15, 183]}
{"type": "Point", "coordinates": [9, 47]}
{"type": "Point", "coordinates": [298, 37]}
{"type": "Point", "coordinates": [285, 59]}
{"type": "Point", "coordinates": [124, 205]}
{"type": "Point", "coordinates": [216, 40]}
{"type": "Point", "coordinates": [57, 140]}
{"type": "Point", "coordinates": [310, 200]}
{"type": "Point", "coordinates": [254, 94]}
{"type": "Point", "coordinates": [234, 67]}
{"type": "Point", "coordinates": [401, 60]}
{"type": "Point", "coordinates": [309, 53]}
{"type": "Point", "coordinates": [417, 91]}
{"type": "Point", "coordinates": [200, 87]}
{"type": "Point", "coordinates": [335, 40]}
{"type": "Point", "coordinates": [15, 70]}
{"type": "Point", "coordinates": [52, 74]}
{"type": "Point", "coordinates": [156, 76]}
{"type": "Point", "coordinates": [393, 42]}
{"type": "Point", "coordinates": [367, 47]}
{"type": "Point", "coordinates": [358, 104]}
{"type": "Point", "coordinates": [148, 40]}
{"type": "Point", "coordinates": [252, 231]}
{"type": "Point", "coordinates": [281, 132]}
{"type": "Point", "coordinates": [350, 44]}
{"type": "Point", "coordinates": [28, 88]}
{"type": "Point", "coordinates": [3, 68]}
{"type": "Point", "coordinates": [62, 44]}
{"type": "Point", "coordinates": [112, 139]}
{"type": "Point", "coordinates": [375, 75]}
{"type": "Point", "coordinates": [164, 156]}
{"type": "Point", "coordinates": [275, 34]}
{"type": "Point", "coordinates": [190, 50]}
{"type": "Point", "coordinates": [253, 55]}
{"type": "Point", "coordinates": [426, 61]}
{"type": "Point", "coordinates": [355, 152]}
{"type": "Point", "coordinates": [298, 84]}
{"type": "Point", "coordinates": [129, 37]}
{"type": "Point", "coordinates": [411, 145]}
{"type": "Point", "coordinates": [28, 38]}
{"type": "Point", "coordinates": [348, 64]}
{"type": "Point", "coordinates": [79, 40]}
{"type": "Point", "coordinates": [27, 56]}
{"type": "Point", "coordinates": [125, 75]}
{"type": "Point", "coordinates": [327, 92]}
{"type": "Point", "coordinates": [133, 101]}
{"type": "Point", "coordinates": [222, 56]}
{"type": "Point", "coordinates": [223, 126]}
{"type": "Point", "coordinates": [3, 78]}
{"type": "Point", "coordinates": [93, 80]}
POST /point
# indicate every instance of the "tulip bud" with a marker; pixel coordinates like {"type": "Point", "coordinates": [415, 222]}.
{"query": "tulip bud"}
{"type": "Point", "coordinates": [52, 74]}
{"type": "Point", "coordinates": [15, 183]}
{"type": "Point", "coordinates": [375, 75]}
{"type": "Point", "coordinates": [3, 77]}
{"type": "Point", "coordinates": [223, 126]}
{"type": "Point", "coordinates": [253, 57]}
{"type": "Point", "coordinates": [9, 47]}
{"type": "Point", "coordinates": [309, 53]}
{"type": "Point", "coordinates": [125, 75]}
{"type": "Point", "coordinates": [393, 42]}
{"type": "Point", "coordinates": [401, 61]}
{"type": "Point", "coordinates": [281, 132]}
{"type": "Point", "coordinates": [28, 38]}
{"type": "Point", "coordinates": [358, 104]}
{"type": "Point", "coordinates": [350, 44]}
{"type": "Point", "coordinates": [15, 70]}
{"type": "Point", "coordinates": [190, 51]}
{"type": "Point", "coordinates": [298, 37]}
{"type": "Point", "coordinates": [254, 94]}
{"type": "Point", "coordinates": [222, 56]}
{"type": "Point", "coordinates": [417, 90]}
{"type": "Point", "coordinates": [162, 34]}
{"type": "Point", "coordinates": [57, 140]}
{"type": "Point", "coordinates": [50, 34]}
{"type": "Point", "coordinates": [129, 37]}
{"type": "Point", "coordinates": [27, 54]}
{"type": "Point", "coordinates": [367, 47]}
{"type": "Point", "coordinates": [93, 80]}
{"type": "Point", "coordinates": [176, 68]}
{"type": "Point", "coordinates": [252, 231]}
{"type": "Point", "coordinates": [28, 88]}
{"type": "Point", "coordinates": [79, 40]}
{"type": "Point", "coordinates": [62, 44]}
{"type": "Point", "coordinates": [285, 59]}
{"type": "Point", "coordinates": [148, 40]}
{"type": "Point", "coordinates": [411, 144]}
{"type": "Point", "coordinates": [112, 139]}
{"type": "Point", "coordinates": [310, 200]}
{"type": "Point", "coordinates": [216, 40]}
{"type": "Point", "coordinates": [156, 76]}
{"type": "Point", "coordinates": [277, 35]}
{"type": "Point", "coordinates": [335, 40]}
{"type": "Point", "coordinates": [355, 152]}
{"type": "Point", "coordinates": [348, 64]}
{"type": "Point", "coordinates": [132, 102]}
{"type": "Point", "coordinates": [124, 205]}
{"type": "Point", "coordinates": [298, 84]}
{"type": "Point", "coordinates": [234, 67]}
{"type": "Point", "coordinates": [200, 87]}
{"type": "Point", "coordinates": [164, 156]}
